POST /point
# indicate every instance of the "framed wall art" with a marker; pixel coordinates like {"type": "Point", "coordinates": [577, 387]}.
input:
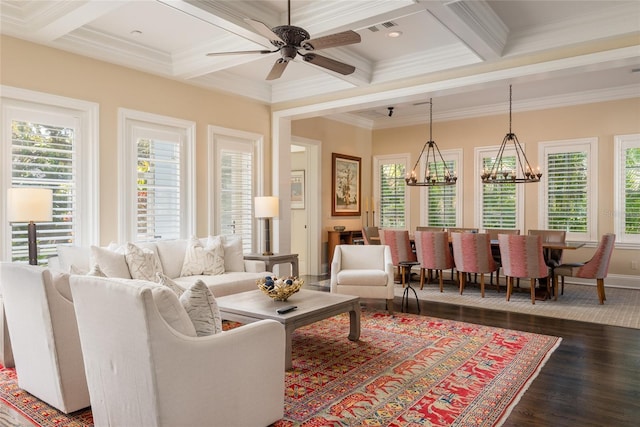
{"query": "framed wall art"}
{"type": "Point", "coordinates": [345, 185]}
{"type": "Point", "coordinates": [297, 189]}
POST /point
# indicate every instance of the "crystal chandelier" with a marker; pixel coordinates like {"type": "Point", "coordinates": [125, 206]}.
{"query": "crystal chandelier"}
{"type": "Point", "coordinates": [436, 172]}
{"type": "Point", "coordinates": [501, 174]}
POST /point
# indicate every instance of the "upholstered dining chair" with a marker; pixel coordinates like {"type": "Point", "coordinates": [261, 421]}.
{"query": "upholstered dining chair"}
{"type": "Point", "coordinates": [522, 257]}
{"type": "Point", "coordinates": [495, 249]}
{"type": "Point", "coordinates": [433, 253]}
{"type": "Point", "coordinates": [596, 268]}
{"type": "Point", "coordinates": [400, 245]}
{"type": "Point", "coordinates": [371, 235]}
{"type": "Point", "coordinates": [472, 254]}
{"type": "Point", "coordinates": [553, 257]}
{"type": "Point", "coordinates": [459, 230]}
{"type": "Point", "coordinates": [44, 335]}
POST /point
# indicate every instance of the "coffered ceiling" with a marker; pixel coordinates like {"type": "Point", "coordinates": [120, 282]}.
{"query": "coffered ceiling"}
{"type": "Point", "coordinates": [462, 53]}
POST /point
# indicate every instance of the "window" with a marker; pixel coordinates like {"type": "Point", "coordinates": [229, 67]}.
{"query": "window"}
{"type": "Point", "coordinates": [50, 142]}
{"type": "Point", "coordinates": [391, 191]}
{"type": "Point", "coordinates": [569, 188]}
{"type": "Point", "coordinates": [500, 205]}
{"type": "Point", "coordinates": [627, 188]}
{"type": "Point", "coordinates": [158, 181]}
{"type": "Point", "coordinates": [442, 206]}
{"type": "Point", "coordinates": [235, 166]}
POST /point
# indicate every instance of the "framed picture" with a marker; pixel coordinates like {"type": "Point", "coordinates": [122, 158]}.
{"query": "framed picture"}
{"type": "Point", "coordinates": [345, 185]}
{"type": "Point", "coordinates": [297, 189]}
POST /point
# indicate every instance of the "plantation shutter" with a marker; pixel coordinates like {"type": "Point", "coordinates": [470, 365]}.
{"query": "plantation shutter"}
{"type": "Point", "coordinates": [632, 191]}
{"type": "Point", "coordinates": [441, 202]}
{"type": "Point", "coordinates": [43, 155]}
{"type": "Point", "coordinates": [392, 195]}
{"type": "Point", "coordinates": [567, 191]}
{"type": "Point", "coordinates": [499, 201]}
{"type": "Point", "coordinates": [236, 193]}
{"type": "Point", "coordinates": [158, 190]}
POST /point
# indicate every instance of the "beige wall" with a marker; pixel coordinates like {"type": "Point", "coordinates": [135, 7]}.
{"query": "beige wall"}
{"type": "Point", "coordinates": [35, 67]}
{"type": "Point", "coordinates": [338, 138]}
{"type": "Point", "coordinates": [602, 120]}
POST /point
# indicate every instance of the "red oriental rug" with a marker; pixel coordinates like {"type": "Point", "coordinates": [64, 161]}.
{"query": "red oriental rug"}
{"type": "Point", "coordinates": [406, 370]}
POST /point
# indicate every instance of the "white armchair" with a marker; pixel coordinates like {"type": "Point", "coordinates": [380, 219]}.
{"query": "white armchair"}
{"type": "Point", "coordinates": [363, 270]}
{"type": "Point", "coordinates": [141, 371]}
{"type": "Point", "coordinates": [44, 337]}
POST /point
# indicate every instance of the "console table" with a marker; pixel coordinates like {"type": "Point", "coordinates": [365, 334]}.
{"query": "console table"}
{"type": "Point", "coordinates": [271, 260]}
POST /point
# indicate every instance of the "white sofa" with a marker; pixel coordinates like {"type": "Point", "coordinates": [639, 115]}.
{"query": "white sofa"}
{"type": "Point", "coordinates": [239, 275]}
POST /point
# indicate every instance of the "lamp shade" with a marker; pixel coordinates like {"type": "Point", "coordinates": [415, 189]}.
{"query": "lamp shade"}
{"type": "Point", "coordinates": [266, 207]}
{"type": "Point", "coordinates": [25, 204]}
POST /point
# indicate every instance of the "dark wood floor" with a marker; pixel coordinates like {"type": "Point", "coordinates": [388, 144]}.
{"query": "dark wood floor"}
{"type": "Point", "coordinates": [592, 379]}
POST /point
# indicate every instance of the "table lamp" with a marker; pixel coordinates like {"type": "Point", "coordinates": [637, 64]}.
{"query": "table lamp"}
{"type": "Point", "coordinates": [31, 205]}
{"type": "Point", "coordinates": [266, 207]}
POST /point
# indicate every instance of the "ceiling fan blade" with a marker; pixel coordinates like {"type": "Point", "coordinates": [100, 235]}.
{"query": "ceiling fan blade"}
{"type": "Point", "coordinates": [329, 64]}
{"type": "Point", "coordinates": [265, 31]}
{"type": "Point", "coordinates": [332, 40]}
{"type": "Point", "coordinates": [277, 69]}
{"type": "Point", "coordinates": [242, 52]}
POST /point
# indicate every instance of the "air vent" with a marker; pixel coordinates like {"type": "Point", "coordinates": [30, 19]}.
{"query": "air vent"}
{"type": "Point", "coordinates": [388, 24]}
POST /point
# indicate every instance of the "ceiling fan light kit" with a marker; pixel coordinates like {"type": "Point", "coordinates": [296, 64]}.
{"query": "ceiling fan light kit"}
{"type": "Point", "coordinates": [436, 172]}
{"type": "Point", "coordinates": [290, 40]}
{"type": "Point", "coordinates": [501, 174]}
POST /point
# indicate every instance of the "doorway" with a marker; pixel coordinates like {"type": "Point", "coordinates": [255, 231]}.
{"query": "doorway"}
{"type": "Point", "coordinates": [306, 207]}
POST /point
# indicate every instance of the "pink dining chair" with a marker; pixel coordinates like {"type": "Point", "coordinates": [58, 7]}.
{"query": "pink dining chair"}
{"type": "Point", "coordinates": [495, 249]}
{"type": "Point", "coordinates": [596, 268]}
{"type": "Point", "coordinates": [472, 254]}
{"type": "Point", "coordinates": [522, 257]}
{"type": "Point", "coordinates": [400, 245]}
{"type": "Point", "coordinates": [433, 253]}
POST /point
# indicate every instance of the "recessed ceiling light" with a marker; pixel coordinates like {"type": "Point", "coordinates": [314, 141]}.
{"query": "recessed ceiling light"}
{"type": "Point", "coordinates": [394, 34]}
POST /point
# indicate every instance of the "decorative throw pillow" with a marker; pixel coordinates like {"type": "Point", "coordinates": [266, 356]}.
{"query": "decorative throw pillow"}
{"type": "Point", "coordinates": [233, 253]}
{"type": "Point", "coordinates": [111, 263]}
{"type": "Point", "coordinates": [96, 271]}
{"type": "Point", "coordinates": [202, 309]}
{"type": "Point", "coordinates": [143, 263]}
{"type": "Point", "coordinates": [165, 280]}
{"type": "Point", "coordinates": [200, 260]}
{"type": "Point", "coordinates": [214, 256]}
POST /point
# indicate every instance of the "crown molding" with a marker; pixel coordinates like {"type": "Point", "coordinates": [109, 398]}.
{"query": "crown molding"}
{"type": "Point", "coordinates": [442, 58]}
{"type": "Point", "coordinates": [596, 26]}
{"type": "Point", "coordinates": [586, 97]}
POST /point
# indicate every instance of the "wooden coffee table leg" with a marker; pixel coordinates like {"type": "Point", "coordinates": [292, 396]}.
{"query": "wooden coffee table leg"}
{"type": "Point", "coordinates": [288, 347]}
{"type": "Point", "coordinates": [354, 322]}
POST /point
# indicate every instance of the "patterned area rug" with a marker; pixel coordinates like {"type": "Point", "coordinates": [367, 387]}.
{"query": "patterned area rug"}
{"type": "Point", "coordinates": [406, 370]}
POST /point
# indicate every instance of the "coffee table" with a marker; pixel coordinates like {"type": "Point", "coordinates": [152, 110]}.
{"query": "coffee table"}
{"type": "Point", "coordinates": [252, 306]}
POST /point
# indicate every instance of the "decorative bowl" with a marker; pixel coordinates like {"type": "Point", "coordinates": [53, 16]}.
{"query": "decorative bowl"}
{"type": "Point", "coordinates": [280, 289]}
{"type": "Point", "coordinates": [339, 227]}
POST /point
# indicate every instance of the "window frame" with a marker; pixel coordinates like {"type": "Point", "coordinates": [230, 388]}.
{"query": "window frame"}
{"type": "Point", "coordinates": [590, 146]}
{"type": "Point", "coordinates": [86, 164]}
{"type": "Point", "coordinates": [621, 143]}
{"type": "Point", "coordinates": [378, 161]}
{"type": "Point", "coordinates": [456, 156]}
{"type": "Point", "coordinates": [480, 153]}
{"type": "Point", "coordinates": [128, 120]}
